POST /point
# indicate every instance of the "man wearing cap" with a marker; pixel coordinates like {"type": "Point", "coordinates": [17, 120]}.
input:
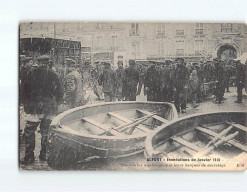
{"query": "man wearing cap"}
{"type": "Point", "coordinates": [219, 82]}
{"type": "Point", "coordinates": [42, 91]}
{"type": "Point", "coordinates": [180, 77]}
{"type": "Point", "coordinates": [109, 81]}
{"type": "Point", "coordinates": [26, 66]}
{"type": "Point", "coordinates": [132, 79]}
{"type": "Point", "coordinates": [240, 80]}
{"type": "Point", "coordinates": [120, 80]}
{"type": "Point", "coordinates": [74, 95]}
{"type": "Point", "coordinates": [152, 82]}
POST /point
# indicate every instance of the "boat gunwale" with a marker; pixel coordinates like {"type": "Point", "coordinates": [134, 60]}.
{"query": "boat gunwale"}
{"type": "Point", "coordinates": [56, 126]}
{"type": "Point", "coordinates": [149, 150]}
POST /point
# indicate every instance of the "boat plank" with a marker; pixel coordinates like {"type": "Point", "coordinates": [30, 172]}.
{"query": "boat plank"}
{"type": "Point", "coordinates": [126, 120]}
{"type": "Point", "coordinates": [186, 143]}
{"type": "Point", "coordinates": [213, 134]}
{"type": "Point", "coordinates": [102, 126]}
{"type": "Point", "coordinates": [154, 116]}
{"type": "Point", "coordinates": [239, 127]}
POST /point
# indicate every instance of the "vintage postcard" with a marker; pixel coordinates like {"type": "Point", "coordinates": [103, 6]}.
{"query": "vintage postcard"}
{"type": "Point", "coordinates": [132, 96]}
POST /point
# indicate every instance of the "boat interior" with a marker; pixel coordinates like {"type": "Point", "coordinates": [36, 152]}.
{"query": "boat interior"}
{"type": "Point", "coordinates": [224, 139]}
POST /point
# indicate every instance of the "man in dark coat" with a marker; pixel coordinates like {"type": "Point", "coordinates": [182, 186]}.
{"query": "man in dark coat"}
{"type": "Point", "coordinates": [120, 81]}
{"type": "Point", "coordinates": [180, 77]}
{"type": "Point", "coordinates": [109, 81]}
{"type": "Point", "coordinates": [240, 80]}
{"type": "Point", "coordinates": [219, 82]}
{"type": "Point", "coordinates": [132, 79]}
{"type": "Point", "coordinates": [166, 83]}
{"type": "Point", "coordinates": [42, 91]}
{"type": "Point", "coordinates": [152, 82]}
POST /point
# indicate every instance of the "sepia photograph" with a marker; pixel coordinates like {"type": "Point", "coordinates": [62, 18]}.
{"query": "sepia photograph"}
{"type": "Point", "coordinates": [155, 96]}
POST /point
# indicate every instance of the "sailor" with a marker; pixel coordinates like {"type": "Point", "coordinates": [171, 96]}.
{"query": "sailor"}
{"type": "Point", "coordinates": [109, 81]}
{"type": "Point", "coordinates": [42, 91]}
{"type": "Point", "coordinates": [180, 79]}
{"type": "Point", "coordinates": [240, 80]}
{"type": "Point", "coordinates": [120, 80]}
{"type": "Point", "coordinates": [132, 79]}
{"type": "Point", "coordinates": [74, 95]}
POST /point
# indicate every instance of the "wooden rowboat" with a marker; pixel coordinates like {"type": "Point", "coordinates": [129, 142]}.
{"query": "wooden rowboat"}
{"type": "Point", "coordinates": [104, 131]}
{"type": "Point", "coordinates": [214, 137]}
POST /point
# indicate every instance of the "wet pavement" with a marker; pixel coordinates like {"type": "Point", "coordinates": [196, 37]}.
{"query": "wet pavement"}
{"type": "Point", "coordinates": [119, 164]}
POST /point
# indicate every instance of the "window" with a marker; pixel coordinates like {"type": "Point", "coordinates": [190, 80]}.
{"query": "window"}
{"type": "Point", "coordinates": [114, 42]}
{"type": "Point", "coordinates": [160, 30]}
{"type": "Point", "coordinates": [179, 32]}
{"type": "Point", "coordinates": [134, 31]}
{"type": "Point", "coordinates": [99, 42]}
{"type": "Point", "coordinates": [226, 28]}
{"type": "Point", "coordinates": [199, 29]}
{"type": "Point", "coordinates": [180, 52]}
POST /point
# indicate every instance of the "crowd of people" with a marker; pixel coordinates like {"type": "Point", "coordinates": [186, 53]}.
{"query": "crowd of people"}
{"type": "Point", "coordinates": [43, 87]}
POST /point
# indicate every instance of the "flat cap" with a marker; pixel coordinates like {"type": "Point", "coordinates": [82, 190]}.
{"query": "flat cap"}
{"type": "Point", "coordinates": [25, 59]}
{"type": "Point", "coordinates": [43, 58]}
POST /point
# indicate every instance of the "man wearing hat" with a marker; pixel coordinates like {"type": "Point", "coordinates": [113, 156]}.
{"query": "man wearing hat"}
{"type": "Point", "coordinates": [74, 95]}
{"type": "Point", "coordinates": [120, 81]}
{"type": "Point", "coordinates": [132, 79]}
{"type": "Point", "coordinates": [240, 80]}
{"type": "Point", "coordinates": [109, 81]}
{"type": "Point", "coordinates": [152, 82]}
{"type": "Point", "coordinates": [219, 82]}
{"type": "Point", "coordinates": [42, 91]}
{"type": "Point", "coordinates": [180, 78]}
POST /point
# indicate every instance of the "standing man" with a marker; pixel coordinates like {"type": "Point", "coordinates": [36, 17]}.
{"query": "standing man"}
{"type": "Point", "coordinates": [132, 79]}
{"type": "Point", "coordinates": [240, 80]}
{"type": "Point", "coordinates": [120, 80]}
{"type": "Point", "coordinates": [151, 83]}
{"type": "Point", "coordinates": [180, 78]}
{"type": "Point", "coordinates": [42, 91]}
{"type": "Point", "coordinates": [219, 82]}
{"type": "Point", "coordinates": [74, 95]}
{"type": "Point", "coordinates": [109, 81]}
{"type": "Point", "coordinates": [165, 82]}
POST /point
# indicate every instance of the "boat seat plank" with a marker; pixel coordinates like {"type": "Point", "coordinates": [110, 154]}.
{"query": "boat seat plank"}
{"type": "Point", "coordinates": [126, 120]}
{"type": "Point", "coordinates": [213, 134]}
{"type": "Point", "coordinates": [186, 143]}
{"type": "Point", "coordinates": [154, 116]}
{"type": "Point", "coordinates": [239, 127]}
{"type": "Point", "coordinates": [102, 126]}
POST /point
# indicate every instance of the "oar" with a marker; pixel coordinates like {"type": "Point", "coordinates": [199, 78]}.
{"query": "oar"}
{"type": "Point", "coordinates": [129, 125]}
{"type": "Point", "coordinates": [222, 133]}
{"type": "Point", "coordinates": [221, 141]}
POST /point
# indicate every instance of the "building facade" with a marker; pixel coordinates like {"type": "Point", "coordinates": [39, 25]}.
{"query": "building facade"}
{"type": "Point", "coordinates": [124, 41]}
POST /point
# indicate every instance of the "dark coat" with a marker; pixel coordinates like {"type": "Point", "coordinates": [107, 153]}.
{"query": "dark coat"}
{"type": "Point", "coordinates": [108, 80]}
{"type": "Point", "coordinates": [180, 77]}
{"type": "Point", "coordinates": [132, 78]}
{"type": "Point", "coordinates": [42, 91]}
{"type": "Point", "coordinates": [152, 78]}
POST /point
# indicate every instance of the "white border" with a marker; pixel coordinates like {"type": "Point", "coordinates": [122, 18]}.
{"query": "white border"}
{"type": "Point", "coordinates": [14, 11]}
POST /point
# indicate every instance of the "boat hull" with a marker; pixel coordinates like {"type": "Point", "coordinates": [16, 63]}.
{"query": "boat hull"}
{"type": "Point", "coordinates": [69, 149]}
{"type": "Point", "coordinates": [164, 141]}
